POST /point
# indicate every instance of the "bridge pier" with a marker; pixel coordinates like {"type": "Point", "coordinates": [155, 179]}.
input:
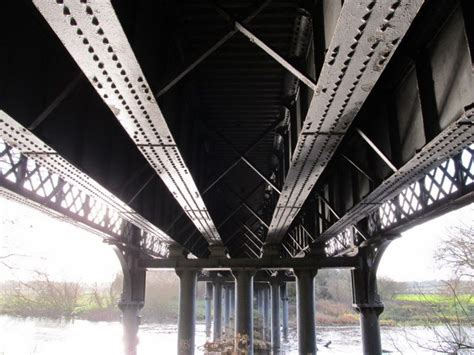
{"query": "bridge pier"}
{"type": "Point", "coordinates": [275, 288]}
{"type": "Point", "coordinates": [284, 303]}
{"type": "Point", "coordinates": [306, 325]}
{"type": "Point", "coordinates": [366, 299]}
{"type": "Point", "coordinates": [226, 308]}
{"type": "Point", "coordinates": [208, 299]}
{"type": "Point", "coordinates": [132, 298]}
{"type": "Point", "coordinates": [187, 310]}
{"type": "Point", "coordinates": [244, 311]}
{"type": "Point", "coordinates": [217, 336]}
{"type": "Point", "coordinates": [266, 312]}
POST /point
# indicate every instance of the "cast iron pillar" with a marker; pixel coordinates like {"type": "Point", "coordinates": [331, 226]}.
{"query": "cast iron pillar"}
{"type": "Point", "coordinates": [187, 310]}
{"type": "Point", "coordinates": [232, 307]}
{"type": "Point", "coordinates": [244, 311]}
{"type": "Point", "coordinates": [366, 298]}
{"type": "Point", "coordinates": [226, 308]}
{"type": "Point", "coordinates": [266, 312]}
{"type": "Point", "coordinates": [305, 311]}
{"type": "Point", "coordinates": [284, 309]}
{"type": "Point", "coordinates": [133, 290]}
{"type": "Point", "coordinates": [217, 309]}
{"type": "Point", "coordinates": [275, 287]}
{"type": "Point", "coordinates": [208, 299]}
{"type": "Point", "coordinates": [260, 295]}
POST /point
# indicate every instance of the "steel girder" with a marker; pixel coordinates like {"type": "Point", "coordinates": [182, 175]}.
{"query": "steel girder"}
{"type": "Point", "coordinates": [365, 38]}
{"type": "Point", "coordinates": [92, 33]}
{"type": "Point", "coordinates": [440, 173]}
{"type": "Point", "coordinates": [34, 174]}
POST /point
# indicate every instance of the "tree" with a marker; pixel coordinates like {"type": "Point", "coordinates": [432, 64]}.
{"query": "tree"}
{"type": "Point", "coordinates": [450, 321]}
{"type": "Point", "coordinates": [457, 252]}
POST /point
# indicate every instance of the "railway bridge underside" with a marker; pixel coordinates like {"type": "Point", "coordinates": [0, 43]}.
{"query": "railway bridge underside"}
{"type": "Point", "coordinates": [245, 144]}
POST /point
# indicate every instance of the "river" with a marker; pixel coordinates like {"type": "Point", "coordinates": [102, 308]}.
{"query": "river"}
{"type": "Point", "coordinates": [26, 336]}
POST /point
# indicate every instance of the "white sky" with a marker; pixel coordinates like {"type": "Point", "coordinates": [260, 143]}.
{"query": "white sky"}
{"type": "Point", "coordinates": [70, 253]}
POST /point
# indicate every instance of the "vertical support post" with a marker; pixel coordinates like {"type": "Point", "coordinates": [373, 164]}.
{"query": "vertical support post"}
{"type": "Point", "coordinates": [132, 299]}
{"type": "Point", "coordinates": [366, 298]}
{"type": "Point", "coordinates": [244, 311]}
{"type": "Point", "coordinates": [217, 310]}
{"type": "Point", "coordinates": [266, 312]}
{"type": "Point", "coordinates": [284, 301]}
{"type": "Point", "coordinates": [187, 310]}
{"type": "Point", "coordinates": [208, 299]}
{"type": "Point", "coordinates": [232, 306]}
{"type": "Point", "coordinates": [306, 311]}
{"type": "Point", "coordinates": [226, 308]}
{"type": "Point", "coordinates": [275, 287]}
{"type": "Point", "coordinates": [261, 309]}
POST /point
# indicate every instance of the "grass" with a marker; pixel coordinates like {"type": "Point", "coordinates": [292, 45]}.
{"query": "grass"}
{"type": "Point", "coordinates": [434, 298]}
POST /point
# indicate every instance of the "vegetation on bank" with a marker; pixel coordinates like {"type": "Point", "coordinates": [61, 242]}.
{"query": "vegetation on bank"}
{"type": "Point", "coordinates": [46, 298]}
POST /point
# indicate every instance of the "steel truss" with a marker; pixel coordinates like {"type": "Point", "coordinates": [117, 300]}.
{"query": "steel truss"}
{"type": "Point", "coordinates": [34, 174]}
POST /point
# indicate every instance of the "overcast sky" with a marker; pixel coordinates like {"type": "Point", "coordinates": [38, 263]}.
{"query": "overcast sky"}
{"type": "Point", "coordinates": [70, 253]}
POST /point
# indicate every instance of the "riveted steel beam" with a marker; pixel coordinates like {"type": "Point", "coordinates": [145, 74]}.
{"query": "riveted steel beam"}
{"type": "Point", "coordinates": [93, 35]}
{"type": "Point", "coordinates": [35, 174]}
{"type": "Point", "coordinates": [411, 179]}
{"type": "Point", "coordinates": [354, 62]}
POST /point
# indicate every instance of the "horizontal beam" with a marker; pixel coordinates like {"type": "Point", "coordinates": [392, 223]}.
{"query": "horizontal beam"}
{"type": "Point", "coordinates": [265, 263]}
{"type": "Point", "coordinates": [257, 278]}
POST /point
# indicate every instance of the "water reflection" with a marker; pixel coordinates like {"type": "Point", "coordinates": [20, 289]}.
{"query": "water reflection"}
{"type": "Point", "coordinates": [47, 337]}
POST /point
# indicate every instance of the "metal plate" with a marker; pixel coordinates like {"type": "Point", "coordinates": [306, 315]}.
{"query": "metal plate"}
{"type": "Point", "coordinates": [91, 32]}
{"type": "Point", "coordinates": [365, 38]}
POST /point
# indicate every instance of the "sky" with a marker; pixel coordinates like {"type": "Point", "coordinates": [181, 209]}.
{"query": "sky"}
{"type": "Point", "coordinates": [66, 252]}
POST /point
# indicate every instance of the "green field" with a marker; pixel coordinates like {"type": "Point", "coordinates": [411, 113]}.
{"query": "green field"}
{"type": "Point", "coordinates": [434, 298]}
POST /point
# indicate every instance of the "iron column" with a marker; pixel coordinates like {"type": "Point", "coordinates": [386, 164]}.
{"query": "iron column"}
{"type": "Point", "coordinates": [305, 311]}
{"type": "Point", "coordinates": [130, 322]}
{"type": "Point", "coordinates": [226, 308]}
{"type": "Point", "coordinates": [208, 299]}
{"type": "Point", "coordinates": [365, 295]}
{"type": "Point", "coordinates": [244, 311]}
{"type": "Point", "coordinates": [284, 301]}
{"type": "Point", "coordinates": [217, 310]}
{"type": "Point", "coordinates": [370, 329]}
{"type": "Point", "coordinates": [275, 287]}
{"type": "Point", "coordinates": [266, 312]}
{"type": "Point", "coordinates": [187, 309]}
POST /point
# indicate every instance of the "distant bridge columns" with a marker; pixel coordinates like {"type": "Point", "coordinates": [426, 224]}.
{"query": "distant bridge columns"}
{"type": "Point", "coordinates": [366, 299]}
{"type": "Point", "coordinates": [284, 309]}
{"type": "Point", "coordinates": [266, 312]}
{"type": "Point", "coordinates": [187, 310]}
{"type": "Point", "coordinates": [244, 311]}
{"type": "Point", "coordinates": [275, 289]}
{"type": "Point", "coordinates": [217, 336]}
{"type": "Point", "coordinates": [208, 299]}
{"type": "Point", "coordinates": [306, 324]}
{"type": "Point", "coordinates": [227, 291]}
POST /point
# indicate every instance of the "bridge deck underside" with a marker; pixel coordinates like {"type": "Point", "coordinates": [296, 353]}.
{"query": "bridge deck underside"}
{"type": "Point", "coordinates": [237, 117]}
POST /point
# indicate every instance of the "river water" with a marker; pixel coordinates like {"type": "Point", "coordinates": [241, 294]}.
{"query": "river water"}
{"type": "Point", "coordinates": [20, 336]}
